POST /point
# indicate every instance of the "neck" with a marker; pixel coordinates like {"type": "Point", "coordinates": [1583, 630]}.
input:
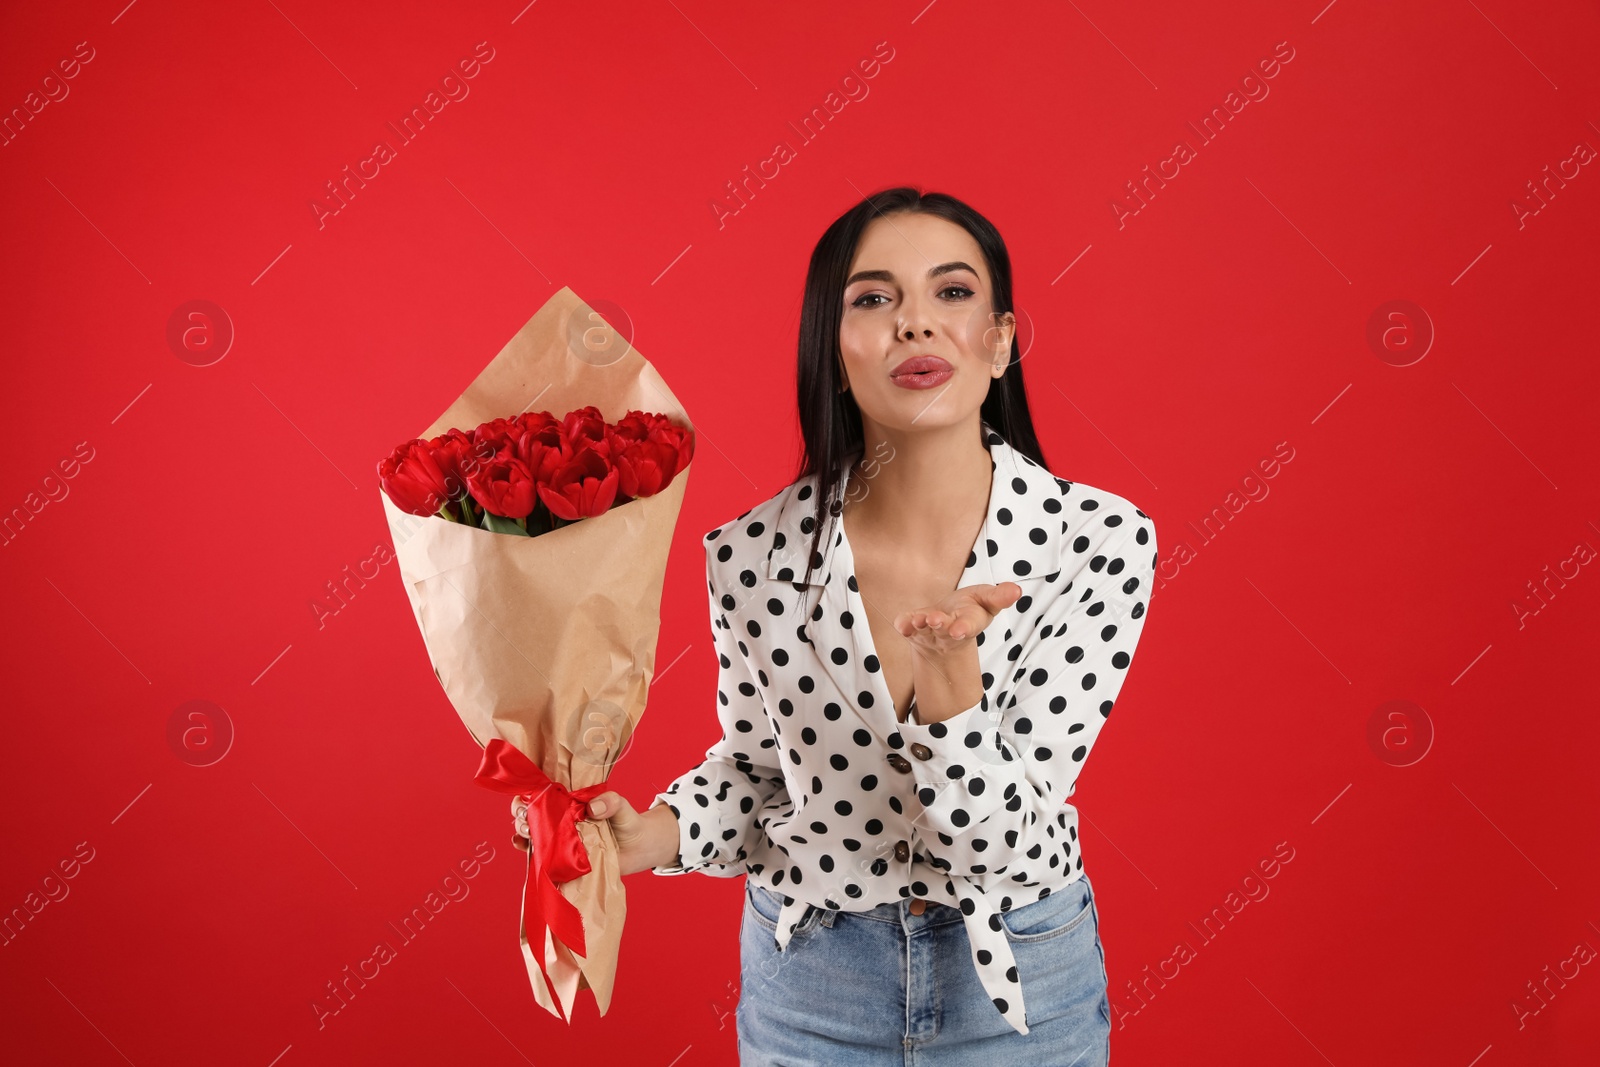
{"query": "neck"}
{"type": "Point", "coordinates": [913, 486]}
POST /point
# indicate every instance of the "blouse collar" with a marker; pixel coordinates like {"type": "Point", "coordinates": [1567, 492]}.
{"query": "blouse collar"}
{"type": "Point", "coordinates": [1020, 541]}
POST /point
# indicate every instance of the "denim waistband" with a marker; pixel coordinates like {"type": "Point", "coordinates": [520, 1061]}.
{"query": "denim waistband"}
{"type": "Point", "coordinates": [899, 913]}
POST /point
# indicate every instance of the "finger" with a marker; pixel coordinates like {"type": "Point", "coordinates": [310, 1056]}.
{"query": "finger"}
{"type": "Point", "coordinates": [1010, 596]}
{"type": "Point", "coordinates": [521, 843]}
{"type": "Point", "coordinates": [995, 597]}
{"type": "Point", "coordinates": [603, 806]}
{"type": "Point", "coordinates": [976, 617]}
{"type": "Point", "coordinates": [968, 621]}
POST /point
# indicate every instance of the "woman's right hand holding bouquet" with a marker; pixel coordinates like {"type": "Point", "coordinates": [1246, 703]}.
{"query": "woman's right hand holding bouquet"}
{"type": "Point", "coordinates": [643, 840]}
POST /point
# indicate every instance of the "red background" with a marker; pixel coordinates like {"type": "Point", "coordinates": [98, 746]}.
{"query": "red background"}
{"type": "Point", "coordinates": [1229, 315]}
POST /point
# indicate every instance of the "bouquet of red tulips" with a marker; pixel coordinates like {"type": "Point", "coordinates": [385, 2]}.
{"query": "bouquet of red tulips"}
{"type": "Point", "coordinates": [535, 473]}
{"type": "Point", "coordinates": [533, 551]}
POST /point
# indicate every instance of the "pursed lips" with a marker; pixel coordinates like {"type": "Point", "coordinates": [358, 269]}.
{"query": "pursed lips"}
{"type": "Point", "coordinates": [919, 366]}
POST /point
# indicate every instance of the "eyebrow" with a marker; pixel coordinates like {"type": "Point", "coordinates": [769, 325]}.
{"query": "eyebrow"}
{"type": "Point", "coordinates": [888, 276]}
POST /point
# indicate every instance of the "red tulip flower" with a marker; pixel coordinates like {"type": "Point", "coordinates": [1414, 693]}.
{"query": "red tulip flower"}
{"type": "Point", "coordinates": [645, 467]}
{"type": "Point", "coordinates": [503, 486]}
{"type": "Point", "coordinates": [414, 480]}
{"type": "Point", "coordinates": [585, 427]}
{"type": "Point", "coordinates": [541, 425]}
{"type": "Point", "coordinates": [581, 487]}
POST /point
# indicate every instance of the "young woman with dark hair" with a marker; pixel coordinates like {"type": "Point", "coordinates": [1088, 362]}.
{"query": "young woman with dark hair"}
{"type": "Point", "coordinates": [920, 639]}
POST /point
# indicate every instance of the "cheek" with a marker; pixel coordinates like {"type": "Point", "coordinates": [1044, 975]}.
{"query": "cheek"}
{"type": "Point", "coordinates": [972, 327]}
{"type": "Point", "coordinates": [854, 344]}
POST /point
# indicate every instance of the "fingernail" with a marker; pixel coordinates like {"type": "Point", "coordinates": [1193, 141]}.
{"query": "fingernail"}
{"type": "Point", "coordinates": [597, 808]}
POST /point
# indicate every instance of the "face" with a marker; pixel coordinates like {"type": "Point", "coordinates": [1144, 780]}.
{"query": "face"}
{"type": "Point", "coordinates": [919, 287]}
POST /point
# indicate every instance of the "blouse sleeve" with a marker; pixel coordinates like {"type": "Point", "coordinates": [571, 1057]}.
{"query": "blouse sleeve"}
{"type": "Point", "coordinates": [718, 802]}
{"type": "Point", "coordinates": [987, 774]}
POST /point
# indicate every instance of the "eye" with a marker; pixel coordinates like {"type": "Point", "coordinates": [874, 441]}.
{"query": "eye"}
{"type": "Point", "coordinates": [962, 294]}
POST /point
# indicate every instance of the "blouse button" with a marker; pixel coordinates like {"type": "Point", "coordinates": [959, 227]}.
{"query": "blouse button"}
{"type": "Point", "coordinates": [921, 751]}
{"type": "Point", "coordinates": [899, 763]}
{"type": "Point", "coordinates": [902, 851]}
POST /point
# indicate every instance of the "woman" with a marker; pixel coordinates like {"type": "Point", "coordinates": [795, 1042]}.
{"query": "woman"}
{"type": "Point", "coordinates": [920, 639]}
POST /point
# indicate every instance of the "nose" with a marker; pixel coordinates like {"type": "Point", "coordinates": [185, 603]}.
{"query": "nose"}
{"type": "Point", "coordinates": [914, 322]}
{"type": "Point", "coordinates": [916, 319]}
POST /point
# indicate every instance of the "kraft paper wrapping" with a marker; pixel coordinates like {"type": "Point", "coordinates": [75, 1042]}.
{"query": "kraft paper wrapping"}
{"type": "Point", "coordinates": [550, 641]}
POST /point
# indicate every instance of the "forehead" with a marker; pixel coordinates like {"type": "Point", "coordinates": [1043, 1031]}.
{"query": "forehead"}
{"type": "Point", "coordinates": [909, 244]}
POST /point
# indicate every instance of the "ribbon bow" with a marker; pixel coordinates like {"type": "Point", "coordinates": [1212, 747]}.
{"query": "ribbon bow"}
{"type": "Point", "coordinates": [556, 853]}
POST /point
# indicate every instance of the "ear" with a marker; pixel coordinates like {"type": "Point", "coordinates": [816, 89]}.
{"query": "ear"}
{"type": "Point", "coordinates": [1002, 333]}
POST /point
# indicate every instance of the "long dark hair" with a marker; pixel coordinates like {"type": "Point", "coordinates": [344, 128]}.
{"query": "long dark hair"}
{"type": "Point", "coordinates": [830, 421]}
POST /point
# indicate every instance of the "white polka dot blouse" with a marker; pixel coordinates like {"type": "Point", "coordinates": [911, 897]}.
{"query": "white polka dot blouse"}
{"type": "Point", "coordinates": [818, 792]}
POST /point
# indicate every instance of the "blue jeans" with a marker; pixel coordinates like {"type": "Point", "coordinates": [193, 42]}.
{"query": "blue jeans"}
{"type": "Point", "coordinates": [886, 987]}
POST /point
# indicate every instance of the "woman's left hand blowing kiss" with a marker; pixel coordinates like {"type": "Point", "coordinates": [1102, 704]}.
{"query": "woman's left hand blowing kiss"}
{"type": "Point", "coordinates": [956, 619]}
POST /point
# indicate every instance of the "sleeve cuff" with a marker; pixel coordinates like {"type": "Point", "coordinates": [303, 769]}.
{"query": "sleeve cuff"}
{"type": "Point", "coordinates": [709, 859]}
{"type": "Point", "coordinates": [676, 867]}
{"type": "Point", "coordinates": [949, 761]}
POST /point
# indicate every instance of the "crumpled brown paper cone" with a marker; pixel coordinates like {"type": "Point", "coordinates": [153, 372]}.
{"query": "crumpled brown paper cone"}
{"type": "Point", "coordinates": [550, 641]}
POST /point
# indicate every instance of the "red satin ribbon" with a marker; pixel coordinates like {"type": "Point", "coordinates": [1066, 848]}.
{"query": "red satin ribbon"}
{"type": "Point", "coordinates": [556, 853]}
